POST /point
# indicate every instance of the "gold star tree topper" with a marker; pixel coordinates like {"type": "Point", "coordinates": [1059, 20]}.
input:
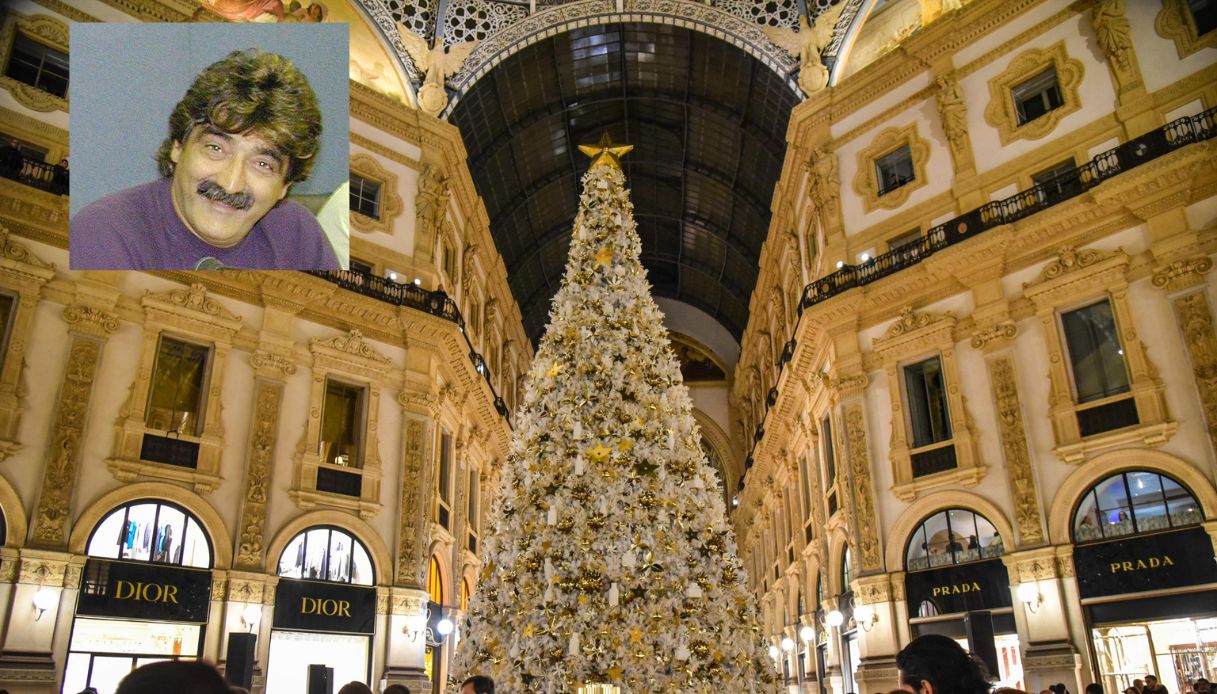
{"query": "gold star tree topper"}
{"type": "Point", "coordinates": [605, 153]}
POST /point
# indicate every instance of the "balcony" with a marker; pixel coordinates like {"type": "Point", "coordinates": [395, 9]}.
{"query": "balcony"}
{"type": "Point", "coordinates": [436, 303]}
{"type": "Point", "coordinates": [1156, 143]}
{"type": "Point", "coordinates": [36, 174]}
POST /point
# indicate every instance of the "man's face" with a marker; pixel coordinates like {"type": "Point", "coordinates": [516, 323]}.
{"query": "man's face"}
{"type": "Point", "coordinates": [224, 183]}
{"type": "Point", "coordinates": [467, 689]}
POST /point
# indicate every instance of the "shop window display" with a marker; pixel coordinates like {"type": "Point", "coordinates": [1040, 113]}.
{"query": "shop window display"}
{"type": "Point", "coordinates": [151, 531]}
{"type": "Point", "coordinates": [1134, 502]}
{"type": "Point", "coordinates": [953, 536]}
{"type": "Point", "coordinates": [326, 554]}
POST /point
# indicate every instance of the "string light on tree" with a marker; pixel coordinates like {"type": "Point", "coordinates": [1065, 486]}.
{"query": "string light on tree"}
{"type": "Point", "coordinates": [610, 568]}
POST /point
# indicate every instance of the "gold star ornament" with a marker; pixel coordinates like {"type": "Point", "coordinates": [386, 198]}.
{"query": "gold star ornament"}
{"type": "Point", "coordinates": [553, 370]}
{"type": "Point", "coordinates": [605, 153]}
{"type": "Point", "coordinates": [604, 256]}
{"type": "Point", "coordinates": [599, 454]}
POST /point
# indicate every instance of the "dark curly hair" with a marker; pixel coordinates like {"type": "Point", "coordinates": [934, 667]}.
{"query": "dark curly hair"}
{"type": "Point", "coordinates": [937, 659]}
{"type": "Point", "coordinates": [251, 90]}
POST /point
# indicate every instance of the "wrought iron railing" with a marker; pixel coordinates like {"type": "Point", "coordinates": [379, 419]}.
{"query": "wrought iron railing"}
{"type": "Point", "coordinates": [1150, 146]}
{"type": "Point", "coordinates": [436, 302]}
{"type": "Point", "coordinates": [34, 173]}
{"type": "Point", "coordinates": [1156, 143]}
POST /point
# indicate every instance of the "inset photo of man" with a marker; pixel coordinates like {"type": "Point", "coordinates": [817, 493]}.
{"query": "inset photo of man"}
{"type": "Point", "coordinates": [195, 145]}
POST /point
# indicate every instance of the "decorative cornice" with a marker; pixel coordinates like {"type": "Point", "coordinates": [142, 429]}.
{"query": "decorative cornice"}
{"type": "Point", "coordinates": [1182, 274]}
{"type": "Point", "coordinates": [994, 336]}
{"type": "Point", "coordinates": [1069, 260]}
{"type": "Point", "coordinates": [269, 360]}
{"type": "Point", "coordinates": [351, 343]}
{"type": "Point", "coordinates": [90, 320]}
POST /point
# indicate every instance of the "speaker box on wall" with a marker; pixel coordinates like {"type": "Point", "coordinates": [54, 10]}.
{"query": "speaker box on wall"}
{"type": "Point", "coordinates": [239, 663]}
{"type": "Point", "coordinates": [979, 627]}
{"type": "Point", "coordinates": [320, 679]}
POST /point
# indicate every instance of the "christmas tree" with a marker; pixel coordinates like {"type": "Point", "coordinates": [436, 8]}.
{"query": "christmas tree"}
{"type": "Point", "coordinates": [610, 561]}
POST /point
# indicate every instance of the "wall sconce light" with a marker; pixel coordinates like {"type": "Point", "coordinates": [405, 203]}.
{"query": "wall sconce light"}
{"type": "Point", "coordinates": [834, 619]}
{"type": "Point", "coordinates": [787, 644]}
{"type": "Point", "coordinates": [44, 599]}
{"type": "Point", "coordinates": [807, 633]}
{"type": "Point", "coordinates": [444, 627]}
{"type": "Point", "coordinates": [250, 616]}
{"type": "Point", "coordinates": [773, 651]}
{"type": "Point", "coordinates": [415, 625]}
{"type": "Point", "coordinates": [1030, 596]}
{"type": "Point", "coordinates": [865, 616]}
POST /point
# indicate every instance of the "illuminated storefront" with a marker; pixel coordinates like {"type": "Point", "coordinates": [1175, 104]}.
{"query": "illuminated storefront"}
{"type": "Point", "coordinates": [144, 595]}
{"type": "Point", "coordinates": [954, 568]}
{"type": "Point", "coordinates": [1147, 581]}
{"type": "Point", "coordinates": [325, 610]}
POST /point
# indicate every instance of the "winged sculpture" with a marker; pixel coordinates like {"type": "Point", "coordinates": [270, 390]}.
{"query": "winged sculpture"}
{"type": "Point", "coordinates": [807, 43]}
{"type": "Point", "coordinates": [436, 64]}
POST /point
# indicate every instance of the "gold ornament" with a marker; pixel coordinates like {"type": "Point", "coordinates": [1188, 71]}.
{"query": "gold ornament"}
{"type": "Point", "coordinates": [599, 454]}
{"type": "Point", "coordinates": [605, 153]}
{"type": "Point", "coordinates": [553, 370]}
{"type": "Point", "coordinates": [604, 256]}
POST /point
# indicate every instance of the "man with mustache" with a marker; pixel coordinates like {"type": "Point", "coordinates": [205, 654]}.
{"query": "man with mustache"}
{"type": "Point", "coordinates": [246, 130]}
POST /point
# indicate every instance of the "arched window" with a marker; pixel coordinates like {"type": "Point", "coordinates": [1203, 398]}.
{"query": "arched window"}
{"type": "Point", "coordinates": [953, 536]}
{"type": "Point", "coordinates": [847, 571]}
{"type": "Point", "coordinates": [435, 582]}
{"type": "Point", "coordinates": [153, 531]}
{"type": "Point", "coordinates": [324, 553]}
{"type": "Point", "coordinates": [1134, 502]}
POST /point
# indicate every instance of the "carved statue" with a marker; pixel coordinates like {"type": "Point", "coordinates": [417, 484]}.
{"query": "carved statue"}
{"type": "Point", "coordinates": [807, 43]}
{"type": "Point", "coordinates": [1112, 30]}
{"type": "Point", "coordinates": [432, 201]}
{"type": "Point", "coordinates": [825, 180]}
{"type": "Point", "coordinates": [954, 114]}
{"type": "Point", "coordinates": [436, 63]}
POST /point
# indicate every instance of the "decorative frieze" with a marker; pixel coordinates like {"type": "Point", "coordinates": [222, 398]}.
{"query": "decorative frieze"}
{"type": "Point", "coordinates": [1182, 274]}
{"type": "Point", "coordinates": [864, 520]}
{"type": "Point", "coordinates": [1196, 320]}
{"type": "Point", "coordinates": [1014, 446]}
{"type": "Point", "coordinates": [1114, 36]}
{"type": "Point", "coordinates": [274, 363]}
{"type": "Point", "coordinates": [994, 336]}
{"type": "Point", "coordinates": [268, 398]}
{"type": "Point", "coordinates": [63, 454]}
{"type": "Point", "coordinates": [90, 320]}
{"type": "Point", "coordinates": [411, 567]}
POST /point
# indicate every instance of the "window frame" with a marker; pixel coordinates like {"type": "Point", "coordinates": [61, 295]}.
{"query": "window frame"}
{"type": "Point", "coordinates": [347, 359]}
{"type": "Point", "coordinates": [125, 509]}
{"type": "Point", "coordinates": [905, 160]}
{"type": "Point", "coordinates": [955, 561]}
{"type": "Point", "coordinates": [1075, 390]}
{"type": "Point", "coordinates": [909, 421]}
{"type": "Point", "coordinates": [1032, 91]}
{"type": "Point", "coordinates": [444, 460]}
{"type": "Point", "coordinates": [866, 180]}
{"type": "Point", "coordinates": [1176, 22]}
{"type": "Point", "coordinates": [1002, 110]}
{"type": "Point", "coordinates": [1078, 278]}
{"type": "Point", "coordinates": [1092, 491]}
{"type": "Point", "coordinates": [473, 510]}
{"type": "Point", "coordinates": [361, 417]}
{"type": "Point", "coordinates": [39, 28]}
{"type": "Point", "coordinates": [913, 338]}
{"type": "Point", "coordinates": [205, 381]}
{"type": "Point", "coordinates": [389, 206]}
{"type": "Point", "coordinates": [363, 203]}
{"type": "Point", "coordinates": [330, 529]}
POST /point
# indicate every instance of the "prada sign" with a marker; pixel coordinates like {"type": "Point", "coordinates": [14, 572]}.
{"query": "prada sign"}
{"type": "Point", "coordinates": [982, 585]}
{"type": "Point", "coordinates": [320, 606]}
{"type": "Point", "coordinates": [1147, 562]}
{"type": "Point", "coordinates": [140, 590]}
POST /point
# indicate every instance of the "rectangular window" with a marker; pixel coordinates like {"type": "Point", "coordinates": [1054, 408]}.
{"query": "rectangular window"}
{"type": "Point", "coordinates": [443, 480]}
{"type": "Point", "coordinates": [38, 65]}
{"type": "Point", "coordinates": [904, 239]}
{"type": "Point", "coordinates": [1204, 14]}
{"type": "Point", "coordinates": [176, 398]}
{"type": "Point", "coordinates": [927, 394]}
{"type": "Point", "coordinates": [894, 169]}
{"type": "Point", "coordinates": [365, 267]}
{"type": "Point", "coordinates": [473, 510]}
{"type": "Point", "coordinates": [8, 307]}
{"type": "Point", "coordinates": [1059, 182]}
{"type": "Point", "coordinates": [830, 463]}
{"type": "Point", "coordinates": [1037, 96]}
{"type": "Point", "coordinates": [475, 311]}
{"type": "Point", "coordinates": [342, 420]}
{"type": "Point", "coordinates": [365, 196]}
{"type": "Point", "coordinates": [805, 488]}
{"type": "Point", "coordinates": [449, 257]}
{"type": "Point", "coordinates": [1095, 352]}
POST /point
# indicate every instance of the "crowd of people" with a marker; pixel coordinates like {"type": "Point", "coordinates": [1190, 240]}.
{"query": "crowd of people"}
{"type": "Point", "coordinates": [930, 664]}
{"type": "Point", "coordinates": [935, 664]}
{"type": "Point", "coordinates": [196, 677]}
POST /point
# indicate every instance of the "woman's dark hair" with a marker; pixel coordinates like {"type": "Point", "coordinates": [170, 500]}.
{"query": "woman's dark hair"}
{"type": "Point", "coordinates": [1094, 688]}
{"type": "Point", "coordinates": [179, 677]}
{"type": "Point", "coordinates": [251, 92]}
{"type": "Point", "coordinates": [481, 684]}
{"type": "Point", "coordinates": [940, 661]}
{"type": "Point", "coordinates": [1058, 688]}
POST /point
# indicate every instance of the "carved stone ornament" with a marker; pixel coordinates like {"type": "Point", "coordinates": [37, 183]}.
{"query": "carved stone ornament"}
{"type": "Point", "coordinates": [1113, 32]}
{"type": "Point", "coordinates": [911, 320]}
{"type": "Point", "coordinates": [954, 118]}
{"type": "Point", "coordinates": [273, 362]}
{"type": "Point", "coordinates": [263, 433]}
{"type": "Point", "coordinates": [1182, 274]}
{"type": "Point", "coordinates": [42, 29]}
{"type": "Point", "coordinates": [90, 320]}
{"type": "Point", "coordinates": [994, 336]}
{"type": "Point", "coordinates": [1014, 446]}
{"type": "Point", "coordinates": [351, 343]}
{"type": "Point", "coordinates": [410, 569]}
{"type": "Point", "coordinates": [63, 455]}
{"type": "Point", "coordinates": [42, 572]}
{"type": "Point", "coordinates": [195, 298]}
{"type": "Point", "coordinates": [1175, 22]}
{"type": "Point", "coordinates": [1001, 111]}
{"type": "Point", "coordinates": [1196, 320]}
{"type": "Point", "coordinates": [859, 457]}
{"type": "Point", "coordinates": [1070, 259]}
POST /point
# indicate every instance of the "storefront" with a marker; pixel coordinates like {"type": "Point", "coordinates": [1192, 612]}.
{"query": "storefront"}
{"type": "Point", "coordinates": [144, 595]}
{"type": "Point", "coordinates": [1147, 581]}
{"type": "Point", "coordinates": [325, 611]}
{"type": "Point", "coordinates": [953, 570]}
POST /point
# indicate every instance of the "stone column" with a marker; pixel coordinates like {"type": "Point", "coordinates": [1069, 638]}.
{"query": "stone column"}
{"type": "Point", "coordinates": [1049, 652]}
{"type": "Point", "coordinates": [1184, 281]}
{"type": "Point", "coordinates": [27, 660]}
{"type": "Point", "coordinates": [878, 643]}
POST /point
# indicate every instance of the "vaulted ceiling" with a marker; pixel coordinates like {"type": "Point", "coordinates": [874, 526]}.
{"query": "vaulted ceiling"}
{"type": "Point", "coordinates": [708, 125]}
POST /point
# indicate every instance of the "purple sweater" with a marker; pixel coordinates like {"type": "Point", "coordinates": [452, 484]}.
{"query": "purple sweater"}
{"type": "Point", "coordinates": [138, 229]}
